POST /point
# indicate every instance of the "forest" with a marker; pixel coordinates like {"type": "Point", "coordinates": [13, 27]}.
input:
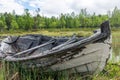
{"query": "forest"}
{"type": "Point", "coordinates": [12, 21]}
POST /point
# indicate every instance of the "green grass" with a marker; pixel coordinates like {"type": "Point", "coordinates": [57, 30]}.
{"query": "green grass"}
{"type": "Point", "coordinates": [49, 32]}
{"type": "Point", "coordinates": [112, 72]}
{"type": "Point", "coordinates": [112, 69]}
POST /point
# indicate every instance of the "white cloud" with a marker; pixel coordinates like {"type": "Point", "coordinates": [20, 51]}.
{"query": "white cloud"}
{"type": "Point", "coordinates": [52, 7]}
{"type": "Point", "coordinates": [97, 6]}
{"type": "Point", "coordinates": [10, 5]}
{"type": "Point", "coordinates": [56, 7]}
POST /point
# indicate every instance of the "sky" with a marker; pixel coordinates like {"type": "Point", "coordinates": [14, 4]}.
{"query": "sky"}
{"type": "Point", "coordinates": [56, 7]}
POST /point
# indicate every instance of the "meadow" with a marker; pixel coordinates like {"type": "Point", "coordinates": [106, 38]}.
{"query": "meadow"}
{"type": "Point", "coordinates": [112, 69]}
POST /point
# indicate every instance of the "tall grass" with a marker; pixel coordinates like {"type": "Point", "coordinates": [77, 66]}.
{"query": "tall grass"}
{"type": "Point", "coordinates": [116, 46]}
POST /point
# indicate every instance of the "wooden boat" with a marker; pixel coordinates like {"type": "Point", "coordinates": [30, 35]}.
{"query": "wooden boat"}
{"type": "Point", "coordinates": [77, 54]}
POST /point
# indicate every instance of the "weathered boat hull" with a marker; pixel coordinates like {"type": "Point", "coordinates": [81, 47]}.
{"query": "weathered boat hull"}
{"type": "Point", "coordinates": [75, 54]}
{"type": "Point", "coordinates": [92, 59]}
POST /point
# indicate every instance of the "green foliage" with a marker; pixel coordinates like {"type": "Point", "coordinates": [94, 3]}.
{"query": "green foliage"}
{"type": "Point", "coordinates": [11, 21]}
{"type": "Point", "coordinates": [20, 21]}
{"type": "Point", "coordinates": [2, 25]}
{"type": "Point", "coordinates": [14, 25]}
{"type": "Point", "coordinates": [115, 19]}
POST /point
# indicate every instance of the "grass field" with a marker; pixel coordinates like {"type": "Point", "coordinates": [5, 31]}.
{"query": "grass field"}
{"type": "Point", "coordinates": [112, 70]}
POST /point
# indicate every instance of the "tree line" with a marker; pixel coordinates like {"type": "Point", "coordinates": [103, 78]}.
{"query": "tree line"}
{"type": "Point", "coordinates": [12, 21]}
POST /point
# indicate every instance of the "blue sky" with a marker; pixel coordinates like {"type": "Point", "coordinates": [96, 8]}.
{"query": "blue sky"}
{"type": "Point", "coordinates": [56, 7]}
{"type": "Point", "coordinates": [25, 4]}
